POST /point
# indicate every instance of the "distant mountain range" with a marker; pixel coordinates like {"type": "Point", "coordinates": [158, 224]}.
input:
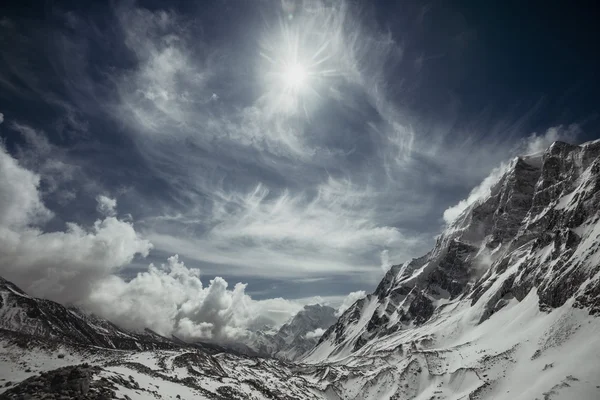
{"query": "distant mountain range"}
{"type": "Point", "coordinates": [296, 337]}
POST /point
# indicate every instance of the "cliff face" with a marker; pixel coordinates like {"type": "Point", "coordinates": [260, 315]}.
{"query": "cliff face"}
{"type": "Point", "coordinates": [503, 307]}
{"type": "Point", "coordinates": [536, 230]}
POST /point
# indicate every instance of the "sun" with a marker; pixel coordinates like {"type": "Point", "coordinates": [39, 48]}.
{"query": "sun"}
{"type": "Point", "coordinates": [295, 76]}
{"type": "Point", "coordinates": [300, 61]}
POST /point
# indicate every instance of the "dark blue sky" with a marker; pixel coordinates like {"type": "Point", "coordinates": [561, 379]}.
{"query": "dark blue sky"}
{"type": "Point", "coordinates": [183, 112]}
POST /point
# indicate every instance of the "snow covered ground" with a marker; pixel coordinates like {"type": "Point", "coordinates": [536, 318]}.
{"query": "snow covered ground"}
{"type": "Point", "coordinates": [518, 353]}
{"type": "Point", "coordinates": [504, 307]}
{"type": "Point", "coordinates": [162, 374]}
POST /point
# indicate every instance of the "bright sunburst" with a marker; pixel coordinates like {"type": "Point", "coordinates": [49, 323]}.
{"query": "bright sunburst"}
{"type": "Point", "coordinates": [295, 76]}
{"type": "Point", "coordinates": [300, 57]}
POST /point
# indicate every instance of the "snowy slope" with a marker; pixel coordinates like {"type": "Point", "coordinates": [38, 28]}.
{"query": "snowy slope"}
{"type": "Point", "coordinates": [504, 306]}
{"type": "Point", "coordinates": [159, 374]}
{"type": "Point", "coordinates": [512, 285]}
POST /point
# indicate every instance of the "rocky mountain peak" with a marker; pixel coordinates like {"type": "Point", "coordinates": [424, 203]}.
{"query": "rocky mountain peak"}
{"type": "Point", "coordinates": [297, 336]}
{"type": "Point", "coordinates": [536, 227]}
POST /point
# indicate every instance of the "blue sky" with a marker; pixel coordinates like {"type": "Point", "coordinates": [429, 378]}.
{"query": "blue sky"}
{"type": "Point", "coordinates": [299, 147]}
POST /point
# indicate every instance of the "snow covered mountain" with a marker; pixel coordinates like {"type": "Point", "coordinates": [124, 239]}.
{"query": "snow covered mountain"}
{"type": "Point", "coordinates": [296, 337]}
{"type": "Point", "coordinates": [492, 311]}
{"type": "Point", "coordinates": [59, 352]}
{"type": "Point", "coordinates": [505, 306]}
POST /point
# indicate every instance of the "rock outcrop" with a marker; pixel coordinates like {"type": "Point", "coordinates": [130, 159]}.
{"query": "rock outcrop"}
{"type": "Point", "coordinates": [536, 229]}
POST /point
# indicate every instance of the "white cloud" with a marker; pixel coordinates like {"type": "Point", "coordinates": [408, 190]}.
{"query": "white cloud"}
{"type": "Point", "coordinates": [106, 206]}
{"type": "Point", "coordinates": [20, 202]}
{"type": "Point", "coordinates": [350, 300]}
{"type": "Point", "coordinates": [317, 333]}
{"type": "Point", "coordinates": [536, 143]}
{"type": "Point", "coordinates": [47, 160]}
{"type": "Point", "coordinates": [65, 264]}
{"type": "Point", "coordinates": [172, 299]}
{"type": "Point", "coordinates": [478, 194]}
{"type": "Point", "coordinates": [327, 219]}
{"type": "Point", "coordinates": [332, 231]}
{"type": "Point", "coordinates": [80, 266]}
{"type": "Point", "coordinates": [60, 265]}
{"type": "Point", "coordinates": [1, 118]}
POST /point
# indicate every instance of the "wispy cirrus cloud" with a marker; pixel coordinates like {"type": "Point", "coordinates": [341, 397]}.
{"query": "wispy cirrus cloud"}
{"type": "Point", "coordinates": [284, 185]}
{"type": "Point", "coordinates": [193, 129]}
{"type": "Point", "coordinates": [80, 266]}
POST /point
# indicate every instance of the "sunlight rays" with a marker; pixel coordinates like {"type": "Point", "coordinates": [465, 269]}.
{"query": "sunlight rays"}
{"type": "Point", "coordinates": [299, 59]}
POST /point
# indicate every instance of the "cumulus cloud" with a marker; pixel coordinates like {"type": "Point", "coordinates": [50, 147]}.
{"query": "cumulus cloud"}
{"type": "Point", "coordinates": [106, 206]}
{"type": "Point", "coordinates": [20, 203]}
{"type": "Point", "coordinates": [1, 118]}
{"type": "Point", "coordinates": [80, 266]}
{"type": "Point", "coordinates": [350, 300]}
{"type": "Point", "coordinates": [317, 333]}
{"type": "Point", "coordinates": [64, 263]}
{"type": "Point", "coordinates": [171, 299]}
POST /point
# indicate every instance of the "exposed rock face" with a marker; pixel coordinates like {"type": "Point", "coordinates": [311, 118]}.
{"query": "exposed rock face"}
{"type": "Point", "coordinates": [22, 313]}
{"type": "Point", "coordinates": [537, 229]}
{"type": "Point", "coordinates": [503, 307]}
{"type": "Point", "coordinates": [72, 382]}
{"type": "Point", "coordinates": [184, 373]}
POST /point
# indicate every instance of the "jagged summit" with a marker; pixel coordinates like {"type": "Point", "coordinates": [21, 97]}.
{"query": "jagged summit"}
{"type": "Point", "coordinates": [534, 237]}
{"type": "Point", "coordinates": [504, 306]}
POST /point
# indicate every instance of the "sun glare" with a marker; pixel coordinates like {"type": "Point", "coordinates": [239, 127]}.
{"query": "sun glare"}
{"type": "Point", "coordinates": [295, 76]}
{"type": "Point", "coordinates": [300, 61]}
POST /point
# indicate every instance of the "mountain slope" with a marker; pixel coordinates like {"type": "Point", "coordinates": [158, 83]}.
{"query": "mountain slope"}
{"type": "Point", "coordinates": [59, 352]}
{"type": "Point", "coordinates": [529, 251]}
{"type": "Point", "coordinates": [503, 307]}
{"type": "Point", "coordinates": [22, 313]}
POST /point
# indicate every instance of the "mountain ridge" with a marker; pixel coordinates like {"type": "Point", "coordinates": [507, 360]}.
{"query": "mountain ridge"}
{"type": "Point", "coordinates": [25, 314]}
{"type": "Point", "coordinates": [504, 306]}
{"type": "Point", "coordinates": [518, 211]}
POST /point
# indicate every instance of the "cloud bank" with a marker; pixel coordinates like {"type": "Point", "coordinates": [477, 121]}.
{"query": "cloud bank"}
{"type": "Point", "coordinates": [80, 266]}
